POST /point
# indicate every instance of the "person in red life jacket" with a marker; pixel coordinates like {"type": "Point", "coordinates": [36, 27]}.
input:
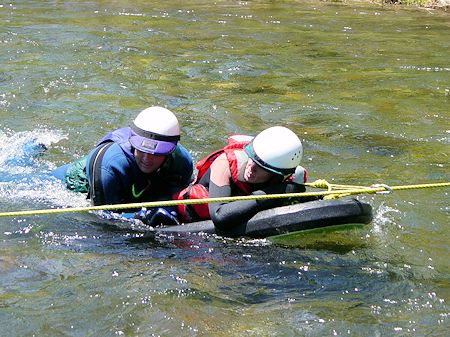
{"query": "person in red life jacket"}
{"type": "Point", "coordinates": [141, 162]}
{"type": "Point", "coordinates": [265, 164]}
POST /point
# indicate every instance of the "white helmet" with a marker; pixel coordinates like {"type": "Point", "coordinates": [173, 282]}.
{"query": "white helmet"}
{"type": "Point", "coordinates": [277, 149]}
{"type": "Point", "coordinates": [156, 131]}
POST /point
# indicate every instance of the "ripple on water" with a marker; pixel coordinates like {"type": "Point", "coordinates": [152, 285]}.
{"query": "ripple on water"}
{"type": "Point", "coordinates": [367, 90]}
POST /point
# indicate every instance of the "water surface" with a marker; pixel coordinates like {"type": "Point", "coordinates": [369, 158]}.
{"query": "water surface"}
{"type": "Point", "coordinates": [366, 88]}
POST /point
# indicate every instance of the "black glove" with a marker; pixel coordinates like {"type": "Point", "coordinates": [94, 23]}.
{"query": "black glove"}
{"type": "Point", "coordinates": [157, 217]}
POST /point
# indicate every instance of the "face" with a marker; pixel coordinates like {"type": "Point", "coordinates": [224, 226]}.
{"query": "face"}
{"type": "Point", "coordinates": [255, 174]}
{"type": "Point", "coordinates": [148, 163]}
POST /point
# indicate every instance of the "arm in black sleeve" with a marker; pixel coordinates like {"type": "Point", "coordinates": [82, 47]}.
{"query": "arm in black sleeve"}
{"type": "Point", "coordinates": [227, 215]}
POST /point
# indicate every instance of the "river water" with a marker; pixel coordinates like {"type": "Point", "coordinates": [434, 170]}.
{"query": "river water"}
{"type": "Point", "coordinates": [366, 87]}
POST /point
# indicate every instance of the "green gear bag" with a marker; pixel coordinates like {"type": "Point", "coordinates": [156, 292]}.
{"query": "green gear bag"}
{"type": "Point", "coordinates": [76, 179]}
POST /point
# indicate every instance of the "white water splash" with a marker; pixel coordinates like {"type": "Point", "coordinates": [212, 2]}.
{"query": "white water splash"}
{"type": "Point", "coordinates": [25, 176]}
{"type": "Point", "coordinates": [20, 150]}
{"type": "Point", "coordinates": [382, 218]}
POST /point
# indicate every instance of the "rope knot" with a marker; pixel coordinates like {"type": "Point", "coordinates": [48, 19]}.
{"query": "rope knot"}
{"type": "Point", "coordinates": [321, 183]}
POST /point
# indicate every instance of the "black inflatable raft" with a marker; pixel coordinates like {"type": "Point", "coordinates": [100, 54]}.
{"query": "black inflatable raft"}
{"type": "Point", "coordinates": [286, 219]}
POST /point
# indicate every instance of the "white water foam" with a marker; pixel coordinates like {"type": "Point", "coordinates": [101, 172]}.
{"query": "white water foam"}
{"type": "Point", "coordinates": [25, 175]}
{"type": "Point", "coordinates": [382, 218]}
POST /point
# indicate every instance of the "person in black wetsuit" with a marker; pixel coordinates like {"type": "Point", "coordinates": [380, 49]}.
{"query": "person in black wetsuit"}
{"type": "Point", "coordinates": [141, 162]}
{"type": "Point", "coordinates": [265, 164]}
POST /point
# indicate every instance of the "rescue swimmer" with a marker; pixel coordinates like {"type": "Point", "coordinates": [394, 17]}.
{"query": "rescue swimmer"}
{"type": "Point", "coordinates": [265, 164]}
{"type": "Point", "coordinates": [139, 163]}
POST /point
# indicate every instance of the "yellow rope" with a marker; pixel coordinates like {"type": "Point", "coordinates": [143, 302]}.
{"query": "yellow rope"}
{"type": "Point", "coordinates": [320, 183]}
{"type": "Point", "coordinates": [167, 203]}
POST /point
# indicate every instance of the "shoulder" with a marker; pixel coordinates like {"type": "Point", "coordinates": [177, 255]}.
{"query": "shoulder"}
{"type": "Point", "coordinates": [111, 168]}
{"type": "Point", "coordinates": [181, 152]}
{"type": "Point", "coordinates": [221, 160]}
{"type": "Point", "coordinates": [180, 158]}
{"type": "Point", "coordinates": [220, 171]}
{"type": "Point", "coordinates": [114, 157]}
{"type": "Point", "coordinates": [115, 152]}
{"type": "Point", "coordinates": [180, 163]}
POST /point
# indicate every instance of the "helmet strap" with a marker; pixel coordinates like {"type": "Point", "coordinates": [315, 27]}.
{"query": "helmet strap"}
{"type": "Point", "coordinates": [263, 164]}
{"type": "Point", "coordinates": [152, 135]}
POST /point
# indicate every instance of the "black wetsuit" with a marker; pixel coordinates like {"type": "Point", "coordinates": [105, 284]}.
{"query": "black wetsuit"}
{"type": "Point", "coordinates": [226, 215]}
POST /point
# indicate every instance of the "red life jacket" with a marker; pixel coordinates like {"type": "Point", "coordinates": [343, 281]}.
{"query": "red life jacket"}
{"type": "Point", "coordinates": [237, 159]}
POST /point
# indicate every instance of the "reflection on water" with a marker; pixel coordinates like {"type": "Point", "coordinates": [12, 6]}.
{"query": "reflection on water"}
{"type": "Point", "coordinates": [366, 88]}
